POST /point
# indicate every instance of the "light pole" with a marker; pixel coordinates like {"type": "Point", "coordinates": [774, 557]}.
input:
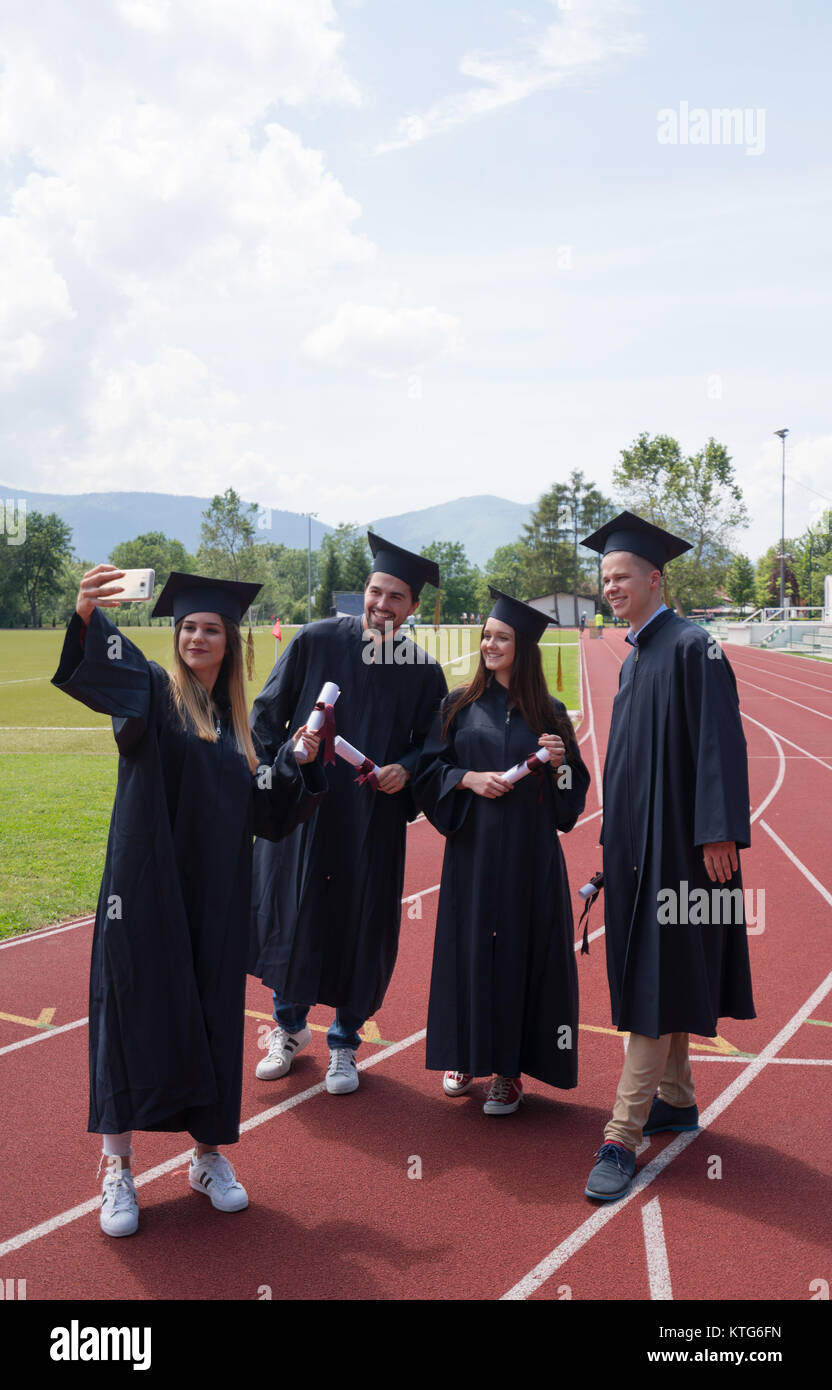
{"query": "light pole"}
{"type": "Point", "coordinates": [782, 434]}
{"type": "Point", "coordinates": [309, 516]}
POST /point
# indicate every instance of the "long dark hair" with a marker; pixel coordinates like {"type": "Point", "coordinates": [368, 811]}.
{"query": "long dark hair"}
{"type": "Point", "coordinates": [527, 691]}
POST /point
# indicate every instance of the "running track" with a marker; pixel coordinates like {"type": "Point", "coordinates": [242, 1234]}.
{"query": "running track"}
{"type": "Point", "coordinates": [337, 1208]}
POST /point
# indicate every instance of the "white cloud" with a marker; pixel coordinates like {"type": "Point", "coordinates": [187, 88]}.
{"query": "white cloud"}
{"type": "Point", "coordinates": [579, 42]}
{"type": "Point", "coordinates": [33, 298]}
{"type": "Point", "coordinates": [387, 341]}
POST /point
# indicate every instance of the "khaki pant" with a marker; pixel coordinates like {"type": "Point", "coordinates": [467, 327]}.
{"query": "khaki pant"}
{"type": "Point", "coordinates": [650, 1063]}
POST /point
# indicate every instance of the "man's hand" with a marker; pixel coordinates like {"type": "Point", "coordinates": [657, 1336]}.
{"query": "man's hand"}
{"type": "Point", "coordinates": [488, 784]}
{"type": "Point", "coordinates": [392, 777]}
{"type": "Point", "coordinates": [721, 860]}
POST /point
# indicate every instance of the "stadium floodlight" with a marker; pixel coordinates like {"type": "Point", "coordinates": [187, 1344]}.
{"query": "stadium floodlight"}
{"type": "Point", "coordinates": [782, 434]}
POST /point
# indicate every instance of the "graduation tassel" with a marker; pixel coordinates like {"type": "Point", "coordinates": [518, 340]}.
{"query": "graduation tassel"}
{"type": "Point", "coordinates": [250, 655]}
{"type": "Point", "coordinates": [560, 673]}
{"type": "Point", "coordinates": [436, 610]}
{"type": "Point", "coordinates": [590, 892]}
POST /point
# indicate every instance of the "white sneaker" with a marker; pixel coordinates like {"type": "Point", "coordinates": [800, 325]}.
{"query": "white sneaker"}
{"type": "Point", "coordinates": [119, 1204]}
{"type": "Point", "coordinates": [283, 1048]}
{"type": "Point", "coordinates": [213, 1174]}
{"type": "Point", "coordinates": [342, 1074]}
{"type": "Point", "coordinates": [456, 1083]}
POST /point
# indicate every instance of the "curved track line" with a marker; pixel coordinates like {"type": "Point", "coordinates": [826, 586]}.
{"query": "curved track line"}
{"type": "Point", "coordinates": [595, 1223]}
{"type": "Point", "coordinates": [763, 671]}
{"type": "Point", "coordinates": [774, 696]}
{"type": "Point", "coordinates": [781, 768]}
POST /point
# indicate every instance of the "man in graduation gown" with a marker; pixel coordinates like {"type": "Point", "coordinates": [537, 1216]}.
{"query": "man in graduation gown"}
{"type": "Point", "coordinates": [327, 905]}
{"type": "Point", "coordinates": [676, 813]}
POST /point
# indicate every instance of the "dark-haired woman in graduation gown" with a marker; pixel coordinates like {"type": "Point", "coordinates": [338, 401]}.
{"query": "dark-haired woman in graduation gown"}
{"type": "Point", "coordinates": [168, 969]}
{"type": "Point", "coordinates": [504, 991]}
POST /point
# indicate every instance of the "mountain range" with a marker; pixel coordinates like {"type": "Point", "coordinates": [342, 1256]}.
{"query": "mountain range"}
{"type": "Point", "coordinates": [100, 520]}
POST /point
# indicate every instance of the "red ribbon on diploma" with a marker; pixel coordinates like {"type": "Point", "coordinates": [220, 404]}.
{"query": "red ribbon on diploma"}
{"type": "Point", "coordinates": [367, 774]}
{"type": "Point", "coordinates": [328, 731]}
{"type": "Point", "coordinates": [536, 767]}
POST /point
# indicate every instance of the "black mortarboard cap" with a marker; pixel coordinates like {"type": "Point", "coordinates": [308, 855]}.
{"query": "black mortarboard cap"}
{"type": "Point", "coordinates": [521, 616]}
{"type": "Point", "coordinates": [415, 570]}
{"type": "Point", "coordinates": [194, 593]}
{"type": "Point", "coordinates": [630, 532]}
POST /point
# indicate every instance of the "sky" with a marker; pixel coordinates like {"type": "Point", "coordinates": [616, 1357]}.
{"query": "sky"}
{"type": "Point", "coordinates": [363, 257]}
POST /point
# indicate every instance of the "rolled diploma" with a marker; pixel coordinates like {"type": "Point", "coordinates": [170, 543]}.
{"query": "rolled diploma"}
{"type": "Point", "coordinates": [351, 755]}
{"type": "Point", "coordinates": [519, 770]}
{"type": "Point", "coordinates": [329, 694]}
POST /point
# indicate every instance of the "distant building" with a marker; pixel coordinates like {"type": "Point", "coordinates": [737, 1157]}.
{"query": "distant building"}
{"type": "Point", "coordinates": [347, 605]}
{"type": "Point", "coordinates": [565, 607]}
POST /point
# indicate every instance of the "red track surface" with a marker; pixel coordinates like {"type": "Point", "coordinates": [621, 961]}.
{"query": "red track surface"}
{"type": "Point", "coordinates": [499, 1207]}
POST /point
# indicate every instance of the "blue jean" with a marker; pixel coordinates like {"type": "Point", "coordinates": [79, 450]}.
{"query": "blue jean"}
{"type": "Point", "coordinates": [343, 1032]}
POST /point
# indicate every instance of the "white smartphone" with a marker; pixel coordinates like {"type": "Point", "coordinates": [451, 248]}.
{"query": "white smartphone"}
{"type": "Point", "coordinates": [136, 586]}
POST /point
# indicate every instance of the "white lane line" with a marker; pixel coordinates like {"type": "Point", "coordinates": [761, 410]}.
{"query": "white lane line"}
{"type": "Point", "coordinates": [762, 671]}
{"type": "Point", "coordinates": [598, 1220]}
{"type": "Point", "coordinates": [414, 897]}
{"type": "Point", "coordinates": [658, 1269]}
{"type": "Point", "coordinates": [785, 698]}
{"type": "Point", "coordinates": [779, 1061]}
{"type": "Point", "coordinates": [599, 789]}
{"type": "Point", "coordinates": [807, 873]}
{"type": "Point", "coordinates": [39, 935]}
{"type": "Point", "coordinates": [783, 739]}
{"type": "Point", "coordinates": [781, 767]}
{"type": "Point", "coordinates": [25, 680]}
{"type": "Point", "coordinates": [591, 816]}
{"type": "Point", "coordinates": [42, 1034]}
{"type": "Point", "coordinates": [65, 1218]}
{"type": "Point", "coordinates": [58, 728]}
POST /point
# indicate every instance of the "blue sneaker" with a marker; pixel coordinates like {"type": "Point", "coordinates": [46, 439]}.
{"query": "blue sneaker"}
{"type": "Point", "coordinates": [612, 1174]}
{"type": "Point", "coordinates": [676, 1118]}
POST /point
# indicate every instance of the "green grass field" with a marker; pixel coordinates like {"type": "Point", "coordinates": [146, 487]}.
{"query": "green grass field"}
{"type": "Point", "coordinates": [59, 761]}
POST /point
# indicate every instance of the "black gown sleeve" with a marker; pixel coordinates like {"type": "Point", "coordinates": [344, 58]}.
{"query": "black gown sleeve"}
{"type": "Point", "coordinates": [717, 745]}
{"type": "Point", "coordinates": [275, 706]}
{"type": "Point", "coordinates": [104, 670]}
{"type": "Point", "coordinates": [285, 794]}
{"type": "Point", "coordinates": [436, 789]}
{"type": "Point", "coordinates": [570, 800]}
{"type": "Point", "coordinates": [435, 688]}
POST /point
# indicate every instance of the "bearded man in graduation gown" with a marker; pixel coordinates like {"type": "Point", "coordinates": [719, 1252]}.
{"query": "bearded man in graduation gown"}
{"type": "Point", "coordinates": [676, 814]}
{"type": "Point", "coordinates": [327, 906]}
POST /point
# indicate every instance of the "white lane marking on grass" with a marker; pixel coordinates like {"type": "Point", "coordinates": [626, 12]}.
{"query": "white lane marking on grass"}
{"type": "Point", "coordinates": [25, 680]}
{"type": "Point", "coordinates": [65, 1218]}
{"type": "Point", "coordinates": [658, 1269]}
{"type": "Point", "coordinates": [56, 728]}
{"type": "Point", "coordinates": [596, 1222]}
{"type": "Point", "coordinates": [44, 1033]}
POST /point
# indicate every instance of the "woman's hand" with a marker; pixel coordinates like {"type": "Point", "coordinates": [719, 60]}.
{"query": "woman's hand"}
{"type": "Point", "coordinates": [311, 741]}
{"type": "Point", "coordinates": [96, 589]}
{"type": "Point", "coordinates": [555, 747]}
{"type": "Point", "coordinates": [488, 784]}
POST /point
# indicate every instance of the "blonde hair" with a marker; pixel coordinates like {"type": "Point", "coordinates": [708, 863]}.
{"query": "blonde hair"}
{"type": "Point", "coordinates": [192, 702]}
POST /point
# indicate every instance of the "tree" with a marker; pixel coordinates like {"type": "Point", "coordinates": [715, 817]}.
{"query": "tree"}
{"type": "Point", "coordinates": [695, 497]}
{"type": "Point", "coordinates": [547, 565]}
{"type": "Point", "coordinates": [227, 549]}
{"type": "Point", "coordinates": [38, 564]}
{"type": "Point", "coordinates": [505, 570]}
{"type": "Point", "coordinates": [153, 551]}
{"type": "Point", "coordinates": [739, 581]}
{"type": "Point", "coordinates": [329, 576]}
{"type": "Point", "coordinates": [596, 509]}
{"type": "Point", "coordinates": [459, 582]}
{"type": "Point", "coordinates": [768, 578]}
{"type": "Point", "coordinates": [813, 559]}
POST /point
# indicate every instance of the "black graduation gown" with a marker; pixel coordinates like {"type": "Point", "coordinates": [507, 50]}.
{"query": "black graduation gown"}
{"type": "Point", "coordinates": [168, 970]}
{"type": "Point", "coordinates": [675, 779]}
{"type": "Point", "coordinates": [327, 900]}
{"type": "Point", "coordinates": [504, 984]}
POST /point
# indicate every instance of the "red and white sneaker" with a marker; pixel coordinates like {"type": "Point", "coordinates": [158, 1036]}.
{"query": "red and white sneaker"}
{"type": "Point", "coordinates": [456, 1083]}
{"type": "Point", "coordinates": [504, 1096]}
